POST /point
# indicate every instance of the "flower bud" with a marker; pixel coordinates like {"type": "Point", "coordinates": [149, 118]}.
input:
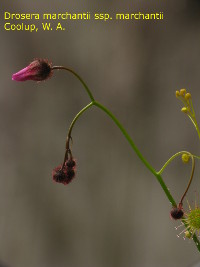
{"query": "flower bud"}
{"type": "Point", "coordinates": [177, 93]}
{"type": "Point", "coordinates": [182, 92]}
{"type": "Point", "coordinates": [176, 213]}
{"type": "Point", "coordinates": [71, 163]}
{"type": "Point", "coordinates": [38, 70]}
{"type": "Point", "coordinates": [188, 96]}
{"type": "Point", "coordinates": [185, 110]}
{"type": "Point", "coordinates": [185, 158]}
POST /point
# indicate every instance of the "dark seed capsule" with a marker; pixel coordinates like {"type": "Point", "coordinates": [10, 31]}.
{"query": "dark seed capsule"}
{"type": "Point", "coordinates": [59, 176]}
{"type": "Point", "coordinates": [70, 173]}
{"type": "Point", "coordinates": [71, 163]}
{"type": "Point", "coordinates": [176, 213]}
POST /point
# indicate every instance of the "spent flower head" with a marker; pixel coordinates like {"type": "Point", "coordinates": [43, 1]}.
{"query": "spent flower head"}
{"type": "Point", "coordinates": [38, 70]}
{"type": "Point", "coordinates": [65, 173]}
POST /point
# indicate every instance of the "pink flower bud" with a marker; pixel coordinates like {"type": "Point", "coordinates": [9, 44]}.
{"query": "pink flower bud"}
{"type": "Point", "coordinates": [38, 70]}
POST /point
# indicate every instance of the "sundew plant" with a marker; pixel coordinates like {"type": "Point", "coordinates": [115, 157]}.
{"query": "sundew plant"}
{"type": "Point", "coordinates": [41, 69]}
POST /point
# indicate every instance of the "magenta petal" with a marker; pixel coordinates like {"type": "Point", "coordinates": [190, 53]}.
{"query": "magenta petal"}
{"type": "Point", "coordinates": [38, 70]}
{"type": "Point", "coordinates": [21, 75]}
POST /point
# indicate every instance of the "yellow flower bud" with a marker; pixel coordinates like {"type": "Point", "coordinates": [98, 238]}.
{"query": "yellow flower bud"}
{"type": "Point", "coordinates": [182, 92]}
{"type": "Point", "coordinates": [184, 109]}
{"type": "Point", "coordinates": [177, 94]}
{"type": "Point", "coordinates": [185, 158]}
{"type": "Point", "coordinates": [188, 96]}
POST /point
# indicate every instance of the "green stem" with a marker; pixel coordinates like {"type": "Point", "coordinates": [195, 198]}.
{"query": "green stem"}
{"type": "Point", "coordinates": [190, 181]}
{"type": "Point", "coordinates": [192, 172]}
{"type": "Point", "coordinates": [149, 167]}
{"type": "Point", "coordinates": [197, 128]}
{"type": "Point", "coordinates": [77, 116]}
{"type": "Point", "coordinates": [196, 241]}
{"type": "Point", "coordinates": [80, 79]}
{"type": "Point", "coordinates": [173, 157]}
{"type": "Point", "coordinates": [193, 120]}
{"type": "Point", "coordinates": [70, 130]}
{"type": "Point", "coordinates": [166, 190]}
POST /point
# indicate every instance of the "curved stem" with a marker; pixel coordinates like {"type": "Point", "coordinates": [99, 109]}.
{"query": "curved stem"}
{"type": "Point", "coordinates": [70, 130]}
{"type": "Point", "coordinates": [173, 157]}
{"type": "Point", "coordinates": [193, 120]}
{"type": "Point", "coordinates": [191, 176]}
{"type": "Point", "coordinates": [80, 79]}
{"type": "Point", "coordinates": [196, 157]}
{"type": "Point", "coordinates": [149, 167]}
{"type": "Point", "coordinates": [192, 172]}
{"type": "Point", "coordinates": [75, 119]}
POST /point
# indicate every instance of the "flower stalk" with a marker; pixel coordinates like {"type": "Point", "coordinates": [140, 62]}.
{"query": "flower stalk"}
{"type": "Point", "coordinates": [188, 108]}
{"type": "Point", "coordinates": [77, 76]}
{"type": "Point", "coordinates": [65, 173]}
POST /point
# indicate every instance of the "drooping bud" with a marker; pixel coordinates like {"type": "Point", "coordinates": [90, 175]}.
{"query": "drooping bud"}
{"type": "Point", "coordinates": [38, 70]}
{"type": "Point", "coordinates": [185, 158]}
{"type": "Point", "coordinates": [176, 213]}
